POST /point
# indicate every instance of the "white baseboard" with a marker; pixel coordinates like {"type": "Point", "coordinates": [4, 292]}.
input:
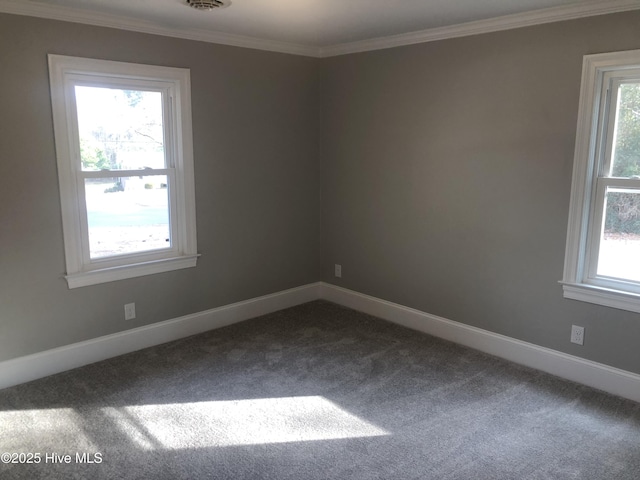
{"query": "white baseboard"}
{"type": "Point", "coordinates": [593, 374]}
{"type": "Point", "coordinates": [31, 367]}
{"type": "Point", "coordinates": [597, 375]}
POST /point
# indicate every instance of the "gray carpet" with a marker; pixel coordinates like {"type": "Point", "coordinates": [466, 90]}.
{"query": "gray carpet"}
{"type": "Point", "coordinates": [316, 392]}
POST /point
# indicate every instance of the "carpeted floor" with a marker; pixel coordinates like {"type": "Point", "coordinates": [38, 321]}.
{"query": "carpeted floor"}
{"type": "Point", "coordinates": [315, 392]}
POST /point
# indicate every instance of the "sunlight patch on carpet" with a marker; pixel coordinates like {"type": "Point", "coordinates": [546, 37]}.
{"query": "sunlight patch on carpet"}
{"type": "Point", "coordinates": [243, 422]}
{"type": "Point", "coordinates": [33, 430]}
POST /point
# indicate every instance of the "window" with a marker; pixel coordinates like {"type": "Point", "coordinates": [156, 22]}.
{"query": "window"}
{"type": "Point", "coordinates": [602, 263]}
{"type": "Point", "coordinates": [125, 167]}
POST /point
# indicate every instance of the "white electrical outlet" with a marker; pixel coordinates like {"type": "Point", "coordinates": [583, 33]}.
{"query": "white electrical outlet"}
{"type": "Point", "coordinates": [130, 311]}
{"type": "Point", "coordinates": [577, 334]}
{"type": "Point", "coordinates": [338, 270]}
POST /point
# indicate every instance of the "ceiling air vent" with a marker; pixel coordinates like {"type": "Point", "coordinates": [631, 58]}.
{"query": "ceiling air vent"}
{"type": "Point", "coordinates": [208, 4]}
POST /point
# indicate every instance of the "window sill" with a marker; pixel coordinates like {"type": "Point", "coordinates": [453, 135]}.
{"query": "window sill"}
{"type": "Point", "coordinates": [104, 275]}
{"type": "Point", "coordinates": [602, 296]}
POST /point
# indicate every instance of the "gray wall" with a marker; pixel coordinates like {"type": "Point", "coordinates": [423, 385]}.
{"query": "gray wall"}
{"type": "Point", "coordinates": [445, 171]}
{"type": "Point", "coordinates": [446, 174]}
{"type": "Point", "coordinates": [255, 118]}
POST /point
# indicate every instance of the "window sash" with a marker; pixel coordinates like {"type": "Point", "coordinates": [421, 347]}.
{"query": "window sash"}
{"type": "Point", "coordinates": [168, 107]}
{"type": "Point", "coordinates": [124, 259]}
{"type": "Point", "coordinates": [612, 81]}
{"type": "Point", "coordinates": [596, 229]}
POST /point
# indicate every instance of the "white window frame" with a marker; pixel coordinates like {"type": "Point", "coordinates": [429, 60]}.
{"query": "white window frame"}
{"type": "Point", "coordinates": [174, 84]}
{"type": "Point", "coordinates": [601, 75]}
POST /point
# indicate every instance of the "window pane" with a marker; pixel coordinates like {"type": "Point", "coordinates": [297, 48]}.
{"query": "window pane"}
{"type": "Point", "coordinates": [626, 146]}
{"type": "Point", "coordinates": [619, 255]}
{"type": "Point", "coordinates": [127, 215]}
{"type": "Point", "coordinates": [119, 129]}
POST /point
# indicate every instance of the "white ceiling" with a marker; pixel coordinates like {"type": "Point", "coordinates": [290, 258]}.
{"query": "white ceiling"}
{"type": "Point", "coordinates": [317, 27]}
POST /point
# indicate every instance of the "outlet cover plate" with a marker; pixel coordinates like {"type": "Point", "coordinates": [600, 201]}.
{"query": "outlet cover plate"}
{"type": "Point", "coordinates": [577, 335]}
{"type": "Point", "coordinates": [337, 270]}
{"type": "Point", "coordinates": [130, 311]}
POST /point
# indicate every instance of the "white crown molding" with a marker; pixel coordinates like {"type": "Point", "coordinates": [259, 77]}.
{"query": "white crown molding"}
{"type": "Point", "coordinates": [66, 14]}
{"type": "Point", "coordinates": [507, 22]}
{"type": "Point", "coordinates": [537, 17]}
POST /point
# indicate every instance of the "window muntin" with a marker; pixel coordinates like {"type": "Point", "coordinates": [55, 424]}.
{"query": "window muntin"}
{"type": "Point", "coordinates": [123, 141]}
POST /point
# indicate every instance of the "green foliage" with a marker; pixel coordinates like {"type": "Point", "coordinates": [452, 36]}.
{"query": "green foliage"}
{"type": "Point", "coordinates": [92, 157]}
{"type": "Point", "coordinates": [623, 213]}
{"type": "Point", "coordinates": [134, 97]}
{"type": "Point", "coordinates": [117, 187]}
{"type": "Point", "coordinates": [627, 143]}
{"type": "Point", "coordinates": [623, 209]}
